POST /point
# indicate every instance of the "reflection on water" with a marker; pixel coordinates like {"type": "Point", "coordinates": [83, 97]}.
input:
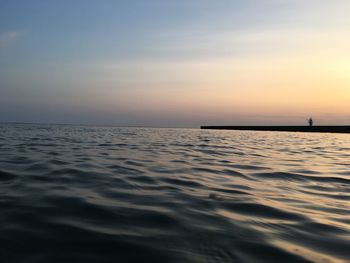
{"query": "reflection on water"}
{"type": "Point", "coordinates": [103, 194]}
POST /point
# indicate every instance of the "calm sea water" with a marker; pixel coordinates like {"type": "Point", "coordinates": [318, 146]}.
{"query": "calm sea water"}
{"type": "Point", "coordinates": [106, 194]}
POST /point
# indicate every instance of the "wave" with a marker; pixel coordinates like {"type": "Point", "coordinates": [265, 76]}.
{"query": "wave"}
{"type": "Point", "coordinates": [107, 194]}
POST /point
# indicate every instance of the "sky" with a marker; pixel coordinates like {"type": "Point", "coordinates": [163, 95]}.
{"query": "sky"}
{"type": "Point", "coordinates": [181, 63]}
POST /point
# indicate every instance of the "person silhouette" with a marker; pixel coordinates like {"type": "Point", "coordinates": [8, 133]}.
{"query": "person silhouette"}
{"type": "Point", "coordinates": [311, 122]}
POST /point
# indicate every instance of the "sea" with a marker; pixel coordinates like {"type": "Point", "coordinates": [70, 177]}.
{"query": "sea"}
{"type": "Point", "coordinates": [118, 194]}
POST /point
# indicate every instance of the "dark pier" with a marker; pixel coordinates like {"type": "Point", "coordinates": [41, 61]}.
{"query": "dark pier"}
{"type": "Point", "coordinates": [329, 129]}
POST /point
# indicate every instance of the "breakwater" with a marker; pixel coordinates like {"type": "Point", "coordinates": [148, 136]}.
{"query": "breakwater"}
{"type": "Point", "coordinates": [329, 129]}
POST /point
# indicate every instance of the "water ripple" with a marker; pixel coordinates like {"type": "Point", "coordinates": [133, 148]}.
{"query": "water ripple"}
{"type": "Point", "coordinates": [108, 194]}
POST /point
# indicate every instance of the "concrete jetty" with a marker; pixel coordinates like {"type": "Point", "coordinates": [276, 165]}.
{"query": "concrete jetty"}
{"type": "Point", "coordinates": [328, 129]}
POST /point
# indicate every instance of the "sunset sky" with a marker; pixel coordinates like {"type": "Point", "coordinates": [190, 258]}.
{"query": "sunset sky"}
{"type": "Point", "coordinates": [175, 63]}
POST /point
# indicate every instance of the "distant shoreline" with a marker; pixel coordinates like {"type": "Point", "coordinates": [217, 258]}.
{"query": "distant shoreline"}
{"type": "Point", "coordinates": [326, 129]}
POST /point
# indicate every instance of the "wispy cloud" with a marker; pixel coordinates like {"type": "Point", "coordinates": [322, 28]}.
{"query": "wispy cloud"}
{"type": "Point", "coordinates": [8, 37]}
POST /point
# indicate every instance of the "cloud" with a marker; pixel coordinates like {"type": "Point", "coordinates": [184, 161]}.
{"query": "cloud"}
{"type": "Point", "coordinates": [8, 37]}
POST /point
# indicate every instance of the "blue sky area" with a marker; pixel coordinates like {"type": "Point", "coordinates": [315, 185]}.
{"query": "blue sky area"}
{"type": "Point", "coordinates": [174, 63]}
